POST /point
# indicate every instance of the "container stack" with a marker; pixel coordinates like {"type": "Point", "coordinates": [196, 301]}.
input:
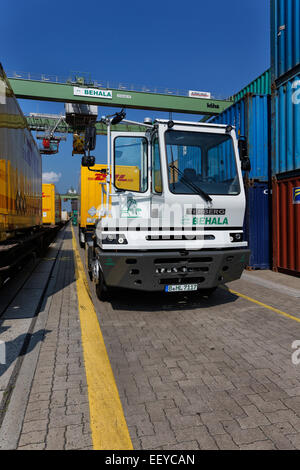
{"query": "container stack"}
{"type": "Point", "coordinates": [260, 86]}
{"type": "Point", "coordinates": [285, 134]}
{"type": "Point", "coordinates": [251, 117]}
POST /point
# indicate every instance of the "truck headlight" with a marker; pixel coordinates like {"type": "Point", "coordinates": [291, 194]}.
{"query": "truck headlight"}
{"type": "Point", "coordinates": [114, 239]}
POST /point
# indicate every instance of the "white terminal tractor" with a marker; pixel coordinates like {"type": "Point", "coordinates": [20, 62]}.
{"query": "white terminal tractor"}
{"type": "Point", "coordinates": [177, 224]}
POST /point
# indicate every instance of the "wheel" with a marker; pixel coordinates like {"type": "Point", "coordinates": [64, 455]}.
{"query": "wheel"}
{"type": "Point", "coordinates": [81, 239]}
{"type": "Point", "coordinates": [89, 261]}
{"type": "Point", "coordinates": [101, 289]}
{"type": "Point", "coordinates": [207, 292]}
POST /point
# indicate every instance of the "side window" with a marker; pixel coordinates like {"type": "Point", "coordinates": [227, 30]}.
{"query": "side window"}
{"type": "Point", "coordinates": [156, 168]}
{"type": "Point", "coordinates": [131, 163]}
{"type": "Point", "coordinates": [221, 158]}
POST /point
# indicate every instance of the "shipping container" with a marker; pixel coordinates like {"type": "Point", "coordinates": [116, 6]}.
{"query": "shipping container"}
{"type": "Point", "coordinates": [81, 109]}
{"type": "Point", "coordinates": [251, 117]}
{"type": "Point", "coordinates": [257, 226]}
{"type": "Point", "coordinates": [286, 223]}
{"type": "Point", "coordinates": [260, 86]}
{"type": "Point", "coordinates": [74, 217]}
{"type": "Point", "coordinates": [92, 189]}
{"type": "Point", "coordinates": [78, 116]}
{"type": "Point", "coordinates": [286, 126]}
{"type": "Point", "coordinates": [51, 205]}
{"type": "Point", "coordinates": [64, 216]}
{"type": "Point", "coordinates": [285, 36]}
{"type": "Point", "coordinates": [20, 168]}
{"type": "Point", "coordinates": [57, 208]}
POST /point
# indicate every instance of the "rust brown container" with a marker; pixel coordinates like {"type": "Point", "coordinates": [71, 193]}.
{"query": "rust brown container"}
{"type": "Point", "coordinates": [286, 223]}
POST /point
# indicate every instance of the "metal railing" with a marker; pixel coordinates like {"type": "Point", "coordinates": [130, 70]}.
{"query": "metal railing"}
{"type": "Point", "coordinates": [106, 84]}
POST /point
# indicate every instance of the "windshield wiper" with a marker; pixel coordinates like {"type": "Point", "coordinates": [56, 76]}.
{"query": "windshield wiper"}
{"type": "Point", "coordinates": [191, 185]}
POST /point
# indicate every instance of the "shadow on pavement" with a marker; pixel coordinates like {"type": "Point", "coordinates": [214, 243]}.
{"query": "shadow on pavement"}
{"type": "Point", "coordinates": [145, 301]}
{"type": "Point", "coordinates": [20, 346]}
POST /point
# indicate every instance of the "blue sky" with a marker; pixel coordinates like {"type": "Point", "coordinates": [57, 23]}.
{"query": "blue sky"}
{"type": "Point", "coordinates": [217, 46]}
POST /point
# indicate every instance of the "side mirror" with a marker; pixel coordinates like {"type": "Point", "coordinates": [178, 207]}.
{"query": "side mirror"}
{"type": "Point", "coordinates": [90, 138]}
{"type": "Point", "coordinates": [88, 160]}
{"type": "Point", "coordinates": [243, 151]}
{"type": "Point", "coordinates": [246, 164]}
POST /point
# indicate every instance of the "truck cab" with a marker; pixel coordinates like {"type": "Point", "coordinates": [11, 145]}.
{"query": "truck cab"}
{"type": "Point", "coordinates": [180, 228]}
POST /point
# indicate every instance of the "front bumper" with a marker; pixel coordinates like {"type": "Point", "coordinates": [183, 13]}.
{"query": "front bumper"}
{"type": "Point", "coordinates": [150, 270]}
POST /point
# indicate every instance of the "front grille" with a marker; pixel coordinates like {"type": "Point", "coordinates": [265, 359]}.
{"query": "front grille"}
{"type": "Point", "coordinates": [180, 280]}
{"type": "Point", "coordinates": [154, 238]}
{"type": "Point", "coordinates": [108, 228]}
{"type": "Point", "coordinates": [201, 259]}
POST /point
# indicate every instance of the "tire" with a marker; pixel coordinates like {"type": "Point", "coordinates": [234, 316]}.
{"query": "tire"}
{"type": "Point", "coordinates": [88, 261]}
{"type": "Point", "coordinates": [102, 290]}
{"type": "Point", "coordinates": [90, 273]}
{"type": "Point", "coordinates": [81, 243]}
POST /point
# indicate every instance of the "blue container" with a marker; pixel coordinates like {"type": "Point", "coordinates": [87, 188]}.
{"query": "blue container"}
{"type": "Point", "coordinates": [286, 127]}
{"type": "Point", "coordinates": [251, 117]}
{"type": "Point", "coordinates": [257, 226]}
{"type": "Point", "coordinates": [285, 36]}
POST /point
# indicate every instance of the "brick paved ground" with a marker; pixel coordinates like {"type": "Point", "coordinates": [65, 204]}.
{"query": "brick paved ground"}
{"type": "Point", "coordinates": [205, 374]}
{"type": "Point", "coordinates": [57, 414]}
{"type": "Point", "coordinates": [191, 373]}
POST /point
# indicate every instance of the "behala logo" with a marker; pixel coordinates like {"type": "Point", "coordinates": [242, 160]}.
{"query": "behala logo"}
{"type": "Point", "coordinates": [2, 353]}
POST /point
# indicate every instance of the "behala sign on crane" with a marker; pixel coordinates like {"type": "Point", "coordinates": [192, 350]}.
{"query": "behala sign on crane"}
{"type": "Point", "coordinates": [92, 92]}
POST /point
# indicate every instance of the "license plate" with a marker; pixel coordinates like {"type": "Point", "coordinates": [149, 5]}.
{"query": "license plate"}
{"type": "Point", "coordinates": [181, 288]}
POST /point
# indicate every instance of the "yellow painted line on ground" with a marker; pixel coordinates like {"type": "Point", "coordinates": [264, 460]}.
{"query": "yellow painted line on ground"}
{"type": "Point", "coordinates": [276, 310]}
{"type": "Point", "coordinates": [107, 420]}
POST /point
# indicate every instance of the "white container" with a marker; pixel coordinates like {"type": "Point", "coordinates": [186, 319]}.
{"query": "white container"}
{"type": "Point", "coordinates": [64, 216]}
{"type": "Point", "coordinates": [81, 109]}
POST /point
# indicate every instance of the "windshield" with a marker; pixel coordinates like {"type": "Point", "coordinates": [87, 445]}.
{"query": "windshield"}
{"type": "Point", "coordinates": [207, 160]}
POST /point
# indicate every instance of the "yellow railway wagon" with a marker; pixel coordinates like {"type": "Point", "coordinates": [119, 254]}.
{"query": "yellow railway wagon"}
{"type": "Point", "coordinates": [20, 168]}
{"type": "Point", "coordinates": [90, 189]}
{"type": "Point", "coordinates": [51, 205]}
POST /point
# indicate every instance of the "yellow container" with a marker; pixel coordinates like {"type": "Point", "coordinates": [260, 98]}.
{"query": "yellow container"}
{"type": "Point", "coordinates": [51, 205]}
{"type": "Point", "coordinates": [92, 184]}
{"type": "Point", "coordinates": [20, 168]}
{"type": "Point", "coordinates": [91, 194]}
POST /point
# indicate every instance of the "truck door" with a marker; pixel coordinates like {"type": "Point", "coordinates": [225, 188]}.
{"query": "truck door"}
{"type": "Point", "coordinates": [130, 174]}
